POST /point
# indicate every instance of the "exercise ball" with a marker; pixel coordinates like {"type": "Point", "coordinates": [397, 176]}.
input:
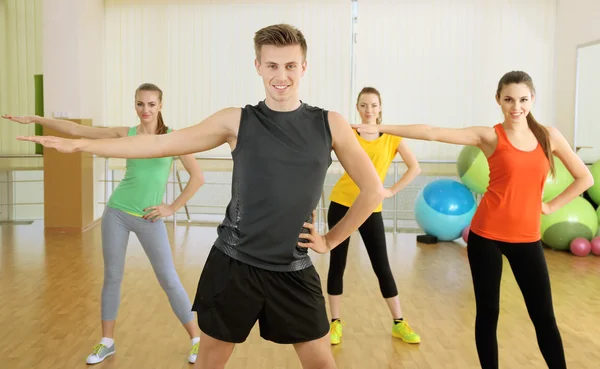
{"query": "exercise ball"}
{"type": "Point", "coordinates": [465, 233]}
{"type": "Point", "coordinates": [473, 169]}
{"type": "Point", "coordinates": [594, 191]}
{"type": "Point", "coordinates": [444, 208]}
{"type": "Point", "coordinates": [558, 183]}
{"type": "Point", "coordinates": [595, 246]}
{"type": "Point", "coordinates": [580, 247]}
{"type": "Point", "coordinates": [576, 219]}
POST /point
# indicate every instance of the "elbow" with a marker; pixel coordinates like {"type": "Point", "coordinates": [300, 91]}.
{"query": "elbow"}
{"type": "Point", "coordinates": [415, 169]}
{"type": "Point", "coordinates": [376, 193]}
{"type": "Point", "coordinates": [589, 181]}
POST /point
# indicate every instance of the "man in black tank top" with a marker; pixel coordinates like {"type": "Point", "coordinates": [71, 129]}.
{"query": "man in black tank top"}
{"type": "Point", "coordinates": [259, 268]}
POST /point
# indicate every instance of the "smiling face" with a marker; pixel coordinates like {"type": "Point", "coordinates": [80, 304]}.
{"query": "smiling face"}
{"type": "Point", "coordinates": [369, 108]}
{"type": "Point", "coordinates": [147, 106]}
{"type": "Point", "coordinates": [515, 100]}
{"type": "Point", "coordinates": [281, 68]}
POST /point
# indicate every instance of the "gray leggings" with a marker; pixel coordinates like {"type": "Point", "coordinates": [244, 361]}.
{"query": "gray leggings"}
{"type": "Point", "coordinates": [116, 226]}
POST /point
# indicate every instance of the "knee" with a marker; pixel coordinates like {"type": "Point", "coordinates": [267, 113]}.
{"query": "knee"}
{"type": "Point", "coordinates": [543, 318]}
{"type": "Point", "coordinates": [112, 277]}
{"type": "Point", "coordinates": [488, 311]}
{"type": "Point", "coordinates": [169, 282]}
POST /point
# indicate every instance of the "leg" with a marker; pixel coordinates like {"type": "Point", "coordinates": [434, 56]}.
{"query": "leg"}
{"type": "Point", "coordinates": [337, 262]}
{"type": "Point", "coordinates": [485, 260]}
{"type": "Point", "coordinates": [372, 232]}
{"type": "Point", "coordinates": [155, 241]}
{"type": "Point", "coordinates": [225, 285]}
{"type": "Point", "coordinates": [315, 354]}
{"type": "Point", "coordinates": [529, 267]}
{"type": "Point", "coordinates": [213, 353]}
{"type": "Point", "coordinates": [294, 310]}
{"type": "Point", "coordinates": [115, 235]}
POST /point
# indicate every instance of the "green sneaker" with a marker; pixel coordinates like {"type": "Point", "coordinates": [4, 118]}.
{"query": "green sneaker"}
{"type": "Point", "coordinates": [403, 331]}
{"type": "Point", "coordinates": [335, 332]}
{"type": "Point", "coordinates": [99, 353]}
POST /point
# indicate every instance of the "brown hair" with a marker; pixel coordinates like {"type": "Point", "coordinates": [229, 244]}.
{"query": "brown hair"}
{"type": "Point", "coordinates": [161, 129]}
{"type": "Point", "coordinates": [279, 35]}
{"type": "Point", "coordinates": [540, 132]}
{"type": "Point", "coordinates": [371, 90]}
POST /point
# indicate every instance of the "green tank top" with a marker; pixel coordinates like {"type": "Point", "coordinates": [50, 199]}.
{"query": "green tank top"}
{"type": "Point", "coordinates": [144, 183]}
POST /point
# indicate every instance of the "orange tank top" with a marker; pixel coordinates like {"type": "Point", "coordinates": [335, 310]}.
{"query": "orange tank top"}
{"type": "Point", "coordinates": [511, 208]}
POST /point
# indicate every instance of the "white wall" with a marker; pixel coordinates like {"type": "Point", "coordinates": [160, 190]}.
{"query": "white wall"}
{"type": "Point", "coordinates": [577, 23]}
{"type": "Point", "coordinates": [587, 114]}
{"type": "Point", "coordinates": [73, 65]}
{"type": "Point", "coordinates": [201, 54]}
{"type": "Point", "coordinates": [439, 62]}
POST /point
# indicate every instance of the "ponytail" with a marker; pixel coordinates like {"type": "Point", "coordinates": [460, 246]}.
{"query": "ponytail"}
{"type": "Point", "coordinates": [161, 129]}
{"type": "Point", "coordinates": [543, 137]}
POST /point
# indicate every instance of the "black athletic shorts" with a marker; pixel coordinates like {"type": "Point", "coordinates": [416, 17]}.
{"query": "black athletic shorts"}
{"type": "Point", "coordinates": [232, 296]}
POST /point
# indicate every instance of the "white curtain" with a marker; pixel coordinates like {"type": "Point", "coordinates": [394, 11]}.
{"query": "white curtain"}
{"type": "Point", "coordinates": [20, 60]}
{"type": "Point", "coordinates": [201, 55]}
{"type": "Point", "coordinates": [438, 62]}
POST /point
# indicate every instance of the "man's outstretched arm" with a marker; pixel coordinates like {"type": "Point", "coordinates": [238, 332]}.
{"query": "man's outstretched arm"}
{"type": "Point", "coordinates": [212, 132]}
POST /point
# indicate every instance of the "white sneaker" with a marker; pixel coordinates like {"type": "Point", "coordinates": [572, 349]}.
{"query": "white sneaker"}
{"type": "Point", "coordinates": [100, 353]}
{"type": "Point", "coordinates": [194, 353]}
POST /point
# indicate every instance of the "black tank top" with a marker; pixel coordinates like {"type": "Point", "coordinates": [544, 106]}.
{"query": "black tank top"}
{"type": "Point", "coordinates": [279, 166]}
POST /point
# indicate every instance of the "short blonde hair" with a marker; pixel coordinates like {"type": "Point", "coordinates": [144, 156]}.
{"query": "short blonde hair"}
{"type": "Point", "coordinates": [279, 35]}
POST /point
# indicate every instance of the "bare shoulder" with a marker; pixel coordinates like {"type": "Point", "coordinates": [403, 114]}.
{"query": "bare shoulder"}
{"type": "Point", "coordinates": [340, 129]}
{"type": "Point", "coordinates": [557, 139]}
{"type": "Point", "coordinates": [229, 118]}
{"type": "Point", "coordinates": [486, 133]}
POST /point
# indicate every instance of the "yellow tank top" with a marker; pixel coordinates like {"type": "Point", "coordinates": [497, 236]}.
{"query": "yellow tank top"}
{"type": "Point", "coordinates": [381, 151]}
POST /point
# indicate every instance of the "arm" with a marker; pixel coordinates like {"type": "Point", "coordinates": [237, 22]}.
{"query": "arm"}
{"type": "Point", "coordinates": [359, 167]}
{"type": "Point", "coordinates": [195, 182]}
{"type": "Point", "coordinates": [71, 128]}
{"type": "Point", "coordinates": [412, 171]}
{"type": "Point", "coordinates": [574, 164]}
{"type": "Point", "coordinates": [213, 131]}
{"type": "Point", "coordinates": [472, 136]}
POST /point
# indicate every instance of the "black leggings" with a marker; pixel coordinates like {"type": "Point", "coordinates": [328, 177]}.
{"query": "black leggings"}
{"type": "Point", "coordinates": [373, 235]}
{"type": "Point", "coordinates": [529, 268]}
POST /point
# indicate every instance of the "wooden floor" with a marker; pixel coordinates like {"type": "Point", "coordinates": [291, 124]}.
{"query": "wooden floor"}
{"type": "Point", "coordinates": [50, 304]}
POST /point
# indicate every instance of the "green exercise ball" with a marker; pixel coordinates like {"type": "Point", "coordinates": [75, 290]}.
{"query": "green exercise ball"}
{"type": "Point", "coordinates": [594, 191]}
{"type": "Point", "coordinates": [473, 169]}
{"type": "Point", "coordinates": [576, 219]}
{"type": "Point", "coordinates": [556, 184]}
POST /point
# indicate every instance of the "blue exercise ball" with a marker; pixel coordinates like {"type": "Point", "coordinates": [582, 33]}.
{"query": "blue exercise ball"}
{"type": "Point", "coordinates": [443, 208]}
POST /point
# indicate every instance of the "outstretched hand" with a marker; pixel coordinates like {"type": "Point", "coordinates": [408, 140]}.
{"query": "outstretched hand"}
{"type": "Point", "coordinates": [19, 119]}
{"type": "Point", "coordinates": [366, 128]}
{"type": "Point", "coordinates": [313, 239]}
{"type": "Point", "coordinates": [64, 145]}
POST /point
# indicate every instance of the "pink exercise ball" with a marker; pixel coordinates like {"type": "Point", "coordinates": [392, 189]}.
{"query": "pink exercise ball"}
{"type": "Point", "coordinates": [465, 233]}
{"type": "Point", "coordinates": [595, 245]}
{"type": "Point", "coordinates": [580, 246]}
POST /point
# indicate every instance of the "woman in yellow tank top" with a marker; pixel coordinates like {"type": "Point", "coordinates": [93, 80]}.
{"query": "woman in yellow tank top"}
{"type": "Point", "coordinates": [382, 149]}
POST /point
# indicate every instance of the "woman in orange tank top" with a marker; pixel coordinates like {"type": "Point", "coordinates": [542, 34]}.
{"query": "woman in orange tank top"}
{"type": "Point", "coordinates": [507, 221]}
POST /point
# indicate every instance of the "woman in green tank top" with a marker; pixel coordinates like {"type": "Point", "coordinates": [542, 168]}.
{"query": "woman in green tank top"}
{"type": "Point", "coordinates": [137, 206]}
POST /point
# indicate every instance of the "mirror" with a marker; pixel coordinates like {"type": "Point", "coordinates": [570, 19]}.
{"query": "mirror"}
{"type": "Point", "coordinates": [587, 102]}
